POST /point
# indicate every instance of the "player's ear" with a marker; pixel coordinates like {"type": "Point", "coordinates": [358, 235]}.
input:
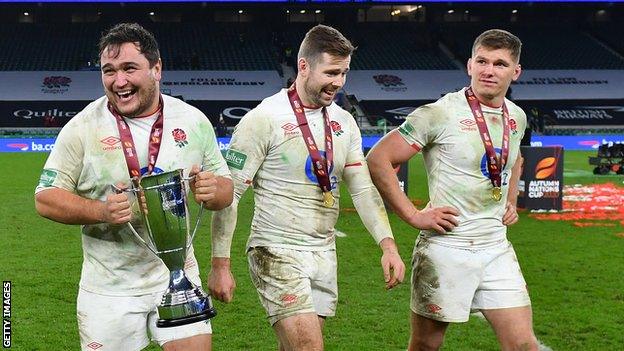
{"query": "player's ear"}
{"type": "Point", "coordinates": [157, 70]}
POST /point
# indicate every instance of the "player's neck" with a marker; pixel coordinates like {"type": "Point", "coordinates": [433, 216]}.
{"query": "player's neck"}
{"type": "Point", "coordinates": [493, 102]}
{"type": "Point", "coordinates": [153, 110]}
{"type": "Point", "coordinates": [305, 99]}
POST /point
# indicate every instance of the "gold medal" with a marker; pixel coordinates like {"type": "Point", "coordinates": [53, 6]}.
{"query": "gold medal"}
{"type": "Point", "coordinates": [328, 199]}
{"type": "Point", "coordinates": [497, 193]}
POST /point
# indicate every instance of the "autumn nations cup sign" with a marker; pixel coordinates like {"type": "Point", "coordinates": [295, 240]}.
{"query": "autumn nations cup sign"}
{"type": "Point", "coordinates": [541, 182]}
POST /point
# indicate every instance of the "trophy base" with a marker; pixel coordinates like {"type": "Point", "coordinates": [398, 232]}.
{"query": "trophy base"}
{"type": "Point", "coordinates": [185, 305]}
{"type": "Point", "coordinates": [168, 323]}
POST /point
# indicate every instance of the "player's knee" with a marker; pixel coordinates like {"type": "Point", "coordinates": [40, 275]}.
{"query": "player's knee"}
{"type": "Point", "coordinates": [308, 343]}
{"type": "Point", "coordinates": [425, 344]}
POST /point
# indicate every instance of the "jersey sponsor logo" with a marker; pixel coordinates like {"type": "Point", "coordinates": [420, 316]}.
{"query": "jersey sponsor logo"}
{"type": "Point", "coordinates": [406, 129]}
{"type": "Point", "coordinates": [111, 143]}
{"type": "Point", "coordinates": [235, 159]}
{"type": "Point", "coordinates": [94, 345]}
{"type": "Point", "coordinates": [179, 136]}
{"type": "Point", "coordinates": [336, 128]}
{"type": "Point", "coordinates": [291, 129]}
{"type": "Point", "coordinates": [468, 125]}
{"type": "Point", "coordinates": [47, 178]}
{"type": "Point", "coordinates": [309, 171]}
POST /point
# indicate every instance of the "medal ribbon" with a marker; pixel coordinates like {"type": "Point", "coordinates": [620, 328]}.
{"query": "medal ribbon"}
{"type": "Point", "coordinates": [494, 164]}
{"type": "Point", "coordinates": [127, 143]}
{"type": "Point", "coordinates": [320, 165]}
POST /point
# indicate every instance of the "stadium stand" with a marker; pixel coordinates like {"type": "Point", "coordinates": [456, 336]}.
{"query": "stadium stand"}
{"type": "Point", "coordinates": [544, 47]}
{"type": "Point", "coordinates": [72, 46]}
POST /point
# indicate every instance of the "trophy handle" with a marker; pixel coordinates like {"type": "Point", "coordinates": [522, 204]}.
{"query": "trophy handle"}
{"type": "Point", "coordinates": [136, 235]}
{"type": "Point", "coordinates": [135, 189]}
{"type": "Point", "coordinates": [199, 214]}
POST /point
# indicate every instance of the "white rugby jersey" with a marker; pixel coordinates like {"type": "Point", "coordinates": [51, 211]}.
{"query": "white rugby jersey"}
{"type": "Point", "coordinates": [267, 151]}
{"type": "Point", "coordinates": [455, 162]}
{"type": "Point", "coordinates": [87, 158]}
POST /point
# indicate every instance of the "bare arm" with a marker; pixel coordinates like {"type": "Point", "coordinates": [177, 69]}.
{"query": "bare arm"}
{"type": "Point", "coordinates": [65, 207]}
{"type": "Point", "coordinates": [511, 215]}
{"type": "Point", "coordinates": [516, 172]}
{"type": "Point", "coordinates": [389, 152]}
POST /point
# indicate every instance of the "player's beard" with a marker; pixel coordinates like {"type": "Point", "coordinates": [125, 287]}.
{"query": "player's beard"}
{"type": "Point", "coordinates": [145, 96]}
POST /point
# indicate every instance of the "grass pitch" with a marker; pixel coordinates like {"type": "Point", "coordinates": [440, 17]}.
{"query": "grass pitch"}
{"type": "Point", "coordinates": [574, 276]}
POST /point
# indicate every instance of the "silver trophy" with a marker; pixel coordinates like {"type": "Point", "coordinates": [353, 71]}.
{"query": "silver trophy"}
{"type": "Point", "coordinates": [163, 204]}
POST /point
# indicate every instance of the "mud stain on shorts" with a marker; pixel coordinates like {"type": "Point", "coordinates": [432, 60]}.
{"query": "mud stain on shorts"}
{"type": "Point", "coordinates": [265, 259]}
{"type": "Point", "coordinates": [425, 283]}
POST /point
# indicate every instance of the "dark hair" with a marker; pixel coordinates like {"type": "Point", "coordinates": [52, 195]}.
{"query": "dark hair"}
{"type": "Point", "coordinates": [130, 33]}
{"type": "Point", "coordinates": [499, 39]}
{"type": "Point", "coordinates": [324, 39]}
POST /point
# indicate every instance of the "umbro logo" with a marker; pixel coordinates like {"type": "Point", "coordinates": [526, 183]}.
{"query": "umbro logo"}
{"type": "Point", "coordinates": [468, 125]}
{"type": "Point", "coordinates": [290, 129]}
{"type": "Point", "coordinates": [289, 126]}
{"type": "Point", "coordinates": [110, 140]}
{"type": "Point", "coordinates": [111, 143]}
{"type": "Point", "coordinates": [94, 345]}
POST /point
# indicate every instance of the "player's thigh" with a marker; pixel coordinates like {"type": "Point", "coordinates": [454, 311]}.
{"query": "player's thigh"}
{"type": "Point", "coordinates": [282, 280]}
{"type": "Point", "coordinates": [324, 285]}
{"type": "Point", "coordinates": [194, 343]}
{"type": "Point", "coordinates": [502, 284]}
{"type": "Point", "coordinates": [444, 280]}
{"type": "Point", "coordinates": [112, 322]}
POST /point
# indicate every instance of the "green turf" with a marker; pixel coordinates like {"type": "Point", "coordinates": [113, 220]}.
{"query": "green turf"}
{"type": "Point", "coordinates": [574, 277]}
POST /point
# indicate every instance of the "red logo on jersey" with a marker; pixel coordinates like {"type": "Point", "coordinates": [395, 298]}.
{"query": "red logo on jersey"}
{"type": "Point", "coordinates": [513, 126]}
{"type": "Point", "coordinates": [336, 128]}
{"type": "Point", "coordinates": [179, 136]}
{"type": "Point", "coordinates": [111, 142]}
{"type": "Point", "coordinates": [290, 129]}
{"type": "Point", "coordinates": [468, 125]}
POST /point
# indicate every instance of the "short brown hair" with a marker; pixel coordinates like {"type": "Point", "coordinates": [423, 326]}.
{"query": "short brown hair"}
{"type": "Point", "coordinates": [499, 39]}
{"type": "Point", "coordinates": [131, 33]}
{"type": "Point", "coordinates": [324, 39]}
